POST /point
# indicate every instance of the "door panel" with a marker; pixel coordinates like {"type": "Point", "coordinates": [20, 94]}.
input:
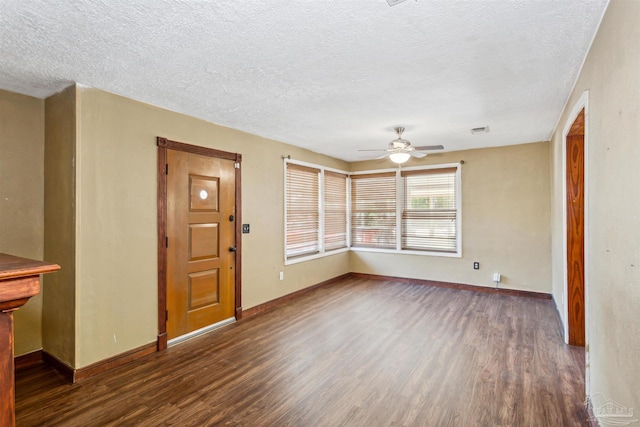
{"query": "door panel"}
{"type": "Point", "coordinates": [204, 193]}
{"type": "Point", "coordinates": [200, 267]}
{"type": "Point", "coordinates": [201, 238]}
{"type": "Point", "coordinates": [203, 289]}
{"type": "Point", "coordinates": [575, 238]}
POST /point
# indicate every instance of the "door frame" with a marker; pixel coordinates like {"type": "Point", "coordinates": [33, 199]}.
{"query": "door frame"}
{"type": "Point", "coordinates": [582, 103]}
{"type": "Point", "coordinates": [165, 144]}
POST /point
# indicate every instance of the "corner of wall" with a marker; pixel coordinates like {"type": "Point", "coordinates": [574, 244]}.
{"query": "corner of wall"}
{"type": "Point", "coordinates": [58, 308]}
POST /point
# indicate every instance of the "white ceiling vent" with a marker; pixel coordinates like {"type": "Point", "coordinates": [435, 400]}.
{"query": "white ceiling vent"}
{"type": "Point", "coordinates": [394, 2]}
{"type": "Point", "coordinates": [483, 129]}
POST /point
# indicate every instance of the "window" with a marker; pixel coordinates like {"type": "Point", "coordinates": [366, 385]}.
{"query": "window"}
{"type": "Point", "coordinates": [429, 210]}
{"type": "Point", "coordinates": [373, 210]}
{"type": "Point", "coordinates": [413, 210]}
{"type": "Point", "coordinates": [316, 211]}
{"type": "Point", "coordinates": [335, 211]}
{"type": "Point", "coordinates": [302, 211]}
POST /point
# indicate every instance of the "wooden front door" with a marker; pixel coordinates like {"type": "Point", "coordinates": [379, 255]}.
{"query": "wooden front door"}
{"type": "Point", "coordinates": [200, 232]}
{"type": "Point", "coordinates": [575, 231]}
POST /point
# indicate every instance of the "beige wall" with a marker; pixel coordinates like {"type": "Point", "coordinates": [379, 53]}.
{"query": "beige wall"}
{"type": "Point", "coordinates": [117, 193]}
{"type": "Point", "coordinates": [505, 221]}
{"type": "Point", "coordinates": [103, 302]}
{"type": "Point", "coordinates": [59, 294]}
{"type": "Point", "coordinates": [22, 199]}
{"type": "Point", "coordinates": [611, 74]}
{"type": "Point", "coordinates": [505, 208]}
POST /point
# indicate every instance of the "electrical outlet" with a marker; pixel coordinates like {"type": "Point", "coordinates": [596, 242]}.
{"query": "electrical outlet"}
{"type": "Point", "coordinates": [282, 275]}
{"type": "Point", "coordinates": [476, 265]}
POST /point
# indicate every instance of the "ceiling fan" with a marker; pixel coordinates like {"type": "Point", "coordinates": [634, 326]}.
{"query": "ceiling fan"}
{"type": "Point", "coordinates": [400, 150]}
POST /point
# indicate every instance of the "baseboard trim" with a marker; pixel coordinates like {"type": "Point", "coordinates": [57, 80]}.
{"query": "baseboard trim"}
{"type": "Point", "coordinates": [75, 375]}
{"type": "Point", "coordinates": [459, 286]}
{"type": "Point", "coordinates": [559, 320]}
{"type": "Point", "coordinates": [115, 361]}
{"type": "Point", "coordinates": [62, 368]}
{"type": "Point", "coordinates": [261, 308]}
{"type": "Point", "coordinates": [162, 341]}
{"type": "Point", "coordinates": [592, 420]}
{"type": "Point", "coordinates": [27, 360]}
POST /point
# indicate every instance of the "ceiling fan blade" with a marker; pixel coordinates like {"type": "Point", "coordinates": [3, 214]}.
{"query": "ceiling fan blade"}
{"type": "Point", "coordinates": [429, 147]}
{"type": "Point", "coordinates": [374, 150]}
{"type": "Point", "coordinates": [382, 157]}
{"type": "Point", "coordinates": [417, 154]}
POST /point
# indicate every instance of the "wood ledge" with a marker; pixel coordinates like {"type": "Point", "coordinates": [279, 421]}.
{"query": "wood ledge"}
{"type": "Point", "coordinates": [13, 267]}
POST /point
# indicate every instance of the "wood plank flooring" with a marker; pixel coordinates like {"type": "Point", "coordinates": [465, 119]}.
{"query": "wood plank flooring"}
{"type": "Point", "coordinates": [358, 352]}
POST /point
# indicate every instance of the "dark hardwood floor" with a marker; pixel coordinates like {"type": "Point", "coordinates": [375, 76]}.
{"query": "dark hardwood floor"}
{"type": "Point", "coordinates": [355, 353]}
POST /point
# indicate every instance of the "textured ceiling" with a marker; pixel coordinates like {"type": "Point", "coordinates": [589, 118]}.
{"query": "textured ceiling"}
{"type": "Point", "coordinates": [330, 76]}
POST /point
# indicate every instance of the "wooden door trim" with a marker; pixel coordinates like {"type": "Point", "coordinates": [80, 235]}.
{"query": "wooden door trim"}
{"type": "Point", "coordinates": [162, 248]}
{"type": "Point", "coordinates": [165, 144]}
{"type": "Point", "coordinates": [238, 269]}
{"type": "Point", "coordinates": [195, 149]}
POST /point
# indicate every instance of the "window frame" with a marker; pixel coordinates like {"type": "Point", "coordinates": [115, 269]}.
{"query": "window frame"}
{"type": "Point", "coordinates": [430, 179]}
{"type": "Point", "coordinates": [378, 215]}
{"type": "Point", "coordinates": [304, 209]}
{"type": "Point", "coordinates": [399, 201]}
{"type": "Point", "coordinates": [326, 210]}
{"type": "Point", "coordinates": [322, 251]}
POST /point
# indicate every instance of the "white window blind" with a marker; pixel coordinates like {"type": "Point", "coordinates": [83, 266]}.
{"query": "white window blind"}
{"type": "Point", "coordinates": [373, 210]}
{"type": "Point", "coordinates": [302, 211]}
{"type": "Point", "coordinates": [335, 210]}
{"type": "Point", "coordinates": [429, 210]}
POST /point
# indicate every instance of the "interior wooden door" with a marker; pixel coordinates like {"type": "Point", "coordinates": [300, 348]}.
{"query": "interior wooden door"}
{"type": "Point", "coordinates": [575, 232]}
{"type": "Point", "coordinates": [200, 241]}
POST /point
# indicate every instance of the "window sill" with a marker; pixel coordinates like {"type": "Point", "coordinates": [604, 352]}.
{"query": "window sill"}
{"type": "Point", "coordinates": [409, 252]}
{"type": "Point", "coordinates": [373, 250]}
{"type": "Point", "coordinates": [315, 256]}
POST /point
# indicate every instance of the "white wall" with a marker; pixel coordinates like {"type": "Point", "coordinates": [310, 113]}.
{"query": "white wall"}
{"type": "Point", "coordinates": [611, 74]}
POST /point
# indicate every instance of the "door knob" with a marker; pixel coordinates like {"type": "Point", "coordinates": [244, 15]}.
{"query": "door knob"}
{"type": "Point", "coordinates": [231, 218]}
{"type": "Point", "coordinates": [232, 249]}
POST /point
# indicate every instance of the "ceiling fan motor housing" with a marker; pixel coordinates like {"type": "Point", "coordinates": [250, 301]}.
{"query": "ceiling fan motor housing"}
{"type": "Point", "coordinates": [399, 144]}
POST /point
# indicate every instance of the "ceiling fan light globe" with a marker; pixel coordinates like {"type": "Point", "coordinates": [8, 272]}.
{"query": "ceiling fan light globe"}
{"type": "Point", "coordinates": [399, 157]}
